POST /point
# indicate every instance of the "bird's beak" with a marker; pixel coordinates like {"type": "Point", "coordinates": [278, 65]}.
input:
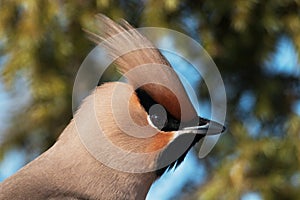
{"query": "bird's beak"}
{"type": "Point", "coordinates": [204, 127]}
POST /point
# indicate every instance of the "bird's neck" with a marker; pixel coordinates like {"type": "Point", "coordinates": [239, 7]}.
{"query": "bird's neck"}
{"type": "Point", "coordinates": [67, 170]}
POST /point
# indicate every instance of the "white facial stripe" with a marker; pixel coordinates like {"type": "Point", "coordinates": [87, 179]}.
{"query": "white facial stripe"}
{"type": "Point", "coordinates": [150, 122]}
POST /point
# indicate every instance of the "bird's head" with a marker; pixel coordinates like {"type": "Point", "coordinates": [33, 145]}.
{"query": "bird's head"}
{"type": "Point", "coordinates": [148, 123]}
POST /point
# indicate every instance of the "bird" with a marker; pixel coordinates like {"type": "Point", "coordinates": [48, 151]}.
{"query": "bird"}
{"type": "Point", "coordinates": [149, 118]}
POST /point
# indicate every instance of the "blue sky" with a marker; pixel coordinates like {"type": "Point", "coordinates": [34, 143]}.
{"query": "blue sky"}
{"type": "Point", "coordinates": [283, 61]}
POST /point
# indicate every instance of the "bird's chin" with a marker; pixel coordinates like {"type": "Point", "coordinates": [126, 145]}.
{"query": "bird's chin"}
{"type": "Point", "coordinates": [184, 140]}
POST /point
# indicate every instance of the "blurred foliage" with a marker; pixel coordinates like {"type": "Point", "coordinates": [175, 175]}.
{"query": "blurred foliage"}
{"type": "Point", "coordinates": [43, 42]}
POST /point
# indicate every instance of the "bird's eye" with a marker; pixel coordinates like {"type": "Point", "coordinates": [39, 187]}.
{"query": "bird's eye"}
{"type": "Point", "coordinates": [158, 116]}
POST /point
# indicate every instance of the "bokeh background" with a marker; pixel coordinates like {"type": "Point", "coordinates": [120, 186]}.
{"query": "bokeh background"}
{"type": "Point", "coordinates": [255, 45]}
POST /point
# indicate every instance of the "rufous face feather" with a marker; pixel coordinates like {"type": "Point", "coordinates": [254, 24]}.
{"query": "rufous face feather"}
{"type": "Point", "coordinates": [124, 135]}
{"type": "Point", "coordinates": [141, 62]}
{"type": "Point", "coordinates": [152, 81]}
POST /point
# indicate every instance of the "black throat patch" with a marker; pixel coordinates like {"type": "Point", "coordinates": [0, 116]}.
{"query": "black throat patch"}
{"type": "Point", "coordinates": [177, 150]}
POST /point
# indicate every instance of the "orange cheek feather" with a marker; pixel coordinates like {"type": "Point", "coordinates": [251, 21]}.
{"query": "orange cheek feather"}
{"type": "Point", "coordinates": [159, 141]}
{"type": "Point", "coordinates": [139, 116]}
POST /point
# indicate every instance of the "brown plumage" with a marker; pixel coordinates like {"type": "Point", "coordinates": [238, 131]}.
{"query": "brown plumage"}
{"type": "Point", "coordinates": [69, 170]}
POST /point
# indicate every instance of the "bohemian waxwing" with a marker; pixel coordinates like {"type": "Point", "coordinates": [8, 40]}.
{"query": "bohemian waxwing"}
{"type": "Point", "coordinates": [124, 135]}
